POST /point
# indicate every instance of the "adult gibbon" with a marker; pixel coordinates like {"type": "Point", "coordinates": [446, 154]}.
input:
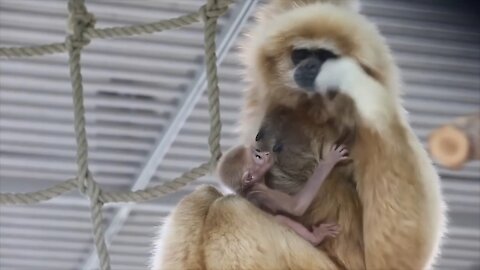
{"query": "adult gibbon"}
{"type": "Point", "coordinates": [313, 46]}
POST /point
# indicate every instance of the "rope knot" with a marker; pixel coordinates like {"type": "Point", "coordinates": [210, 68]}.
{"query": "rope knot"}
{"type": "Point", "coordinates": [83, 182]}
{"type": "Point", "coordinates": [214, 9]}
{"type": "Point", "coordinates": [79, 20]}
{"type": "Point", "coordinates": [89, 187]}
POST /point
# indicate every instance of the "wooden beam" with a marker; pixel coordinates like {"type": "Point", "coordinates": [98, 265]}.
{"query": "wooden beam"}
{"type": "Point", "coordinates": [456, 143]}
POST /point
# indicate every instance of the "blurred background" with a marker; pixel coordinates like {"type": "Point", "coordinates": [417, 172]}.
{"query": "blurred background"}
{"type": "Point", "coordinates": [135, 87]}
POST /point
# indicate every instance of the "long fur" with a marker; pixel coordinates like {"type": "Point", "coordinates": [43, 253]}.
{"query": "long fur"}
{"type": "Point", "coordinates": [389, 160]}
{"type": "Point", "coordinates": [393, 210]}
{"type": "Point", "coordinates": [400, 191]}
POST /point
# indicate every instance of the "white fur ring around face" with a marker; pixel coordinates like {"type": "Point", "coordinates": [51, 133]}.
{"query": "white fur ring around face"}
{"type": "Point", "coordinates": [335, 73]}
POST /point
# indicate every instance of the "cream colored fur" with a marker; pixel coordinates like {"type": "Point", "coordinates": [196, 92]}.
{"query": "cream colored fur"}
{"type": "Point", "coordinates": [403, 210]}
{"type": "Point", "coordinates": [376, 105]}
{"type": "Point", "coordinates": [211, 231]}
{"type": "Point", "coordinates": [382, 112]}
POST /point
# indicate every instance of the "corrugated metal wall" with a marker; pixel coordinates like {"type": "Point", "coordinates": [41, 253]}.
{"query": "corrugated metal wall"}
{"type": "Point", "coordinates": [134, 85]}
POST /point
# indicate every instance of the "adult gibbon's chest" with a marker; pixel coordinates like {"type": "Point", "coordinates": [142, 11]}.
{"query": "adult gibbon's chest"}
{"type": "Point", "coordinates": [298, 135]}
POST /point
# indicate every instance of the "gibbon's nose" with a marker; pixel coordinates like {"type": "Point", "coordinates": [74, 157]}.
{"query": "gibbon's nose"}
{"type": "Point", "coordinates": [306, 72]}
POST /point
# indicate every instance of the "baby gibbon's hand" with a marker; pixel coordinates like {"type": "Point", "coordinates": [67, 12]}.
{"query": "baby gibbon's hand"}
{"type": "Point", "coordinates": [336, 154]}
{"type": "Point", "coordinates": [336, 73]}
{"type": "Point", "coordinates": [248, 179]}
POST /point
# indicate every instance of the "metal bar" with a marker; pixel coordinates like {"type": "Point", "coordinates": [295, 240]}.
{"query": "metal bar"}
{"type": "Point", "coordinates": [239, 17]}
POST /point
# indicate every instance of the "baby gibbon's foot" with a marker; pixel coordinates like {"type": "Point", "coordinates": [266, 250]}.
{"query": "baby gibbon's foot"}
{"type": "Point", "coordinates": [325, 230]}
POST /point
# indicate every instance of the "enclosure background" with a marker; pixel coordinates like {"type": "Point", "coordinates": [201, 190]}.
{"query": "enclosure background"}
{"type": "Point", "coordinates": [133, 86]}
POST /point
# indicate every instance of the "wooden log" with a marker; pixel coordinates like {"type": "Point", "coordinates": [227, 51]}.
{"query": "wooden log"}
{"type": "Point", "coordinates": [456, 143]}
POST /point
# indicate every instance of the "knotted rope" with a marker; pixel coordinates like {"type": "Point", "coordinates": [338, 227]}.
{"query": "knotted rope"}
{"type": "Point", "coordinates": [81, 30]}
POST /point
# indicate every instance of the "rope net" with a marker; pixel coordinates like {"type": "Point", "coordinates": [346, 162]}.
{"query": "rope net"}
{"type": "Point", "coordinates": [81, 30]}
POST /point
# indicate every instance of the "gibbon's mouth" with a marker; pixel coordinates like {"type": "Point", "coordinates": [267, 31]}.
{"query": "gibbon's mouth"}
{"type": "Point", "coordinates": [305, 80]}
{"type": "Point", "coordinates": [304, 85]}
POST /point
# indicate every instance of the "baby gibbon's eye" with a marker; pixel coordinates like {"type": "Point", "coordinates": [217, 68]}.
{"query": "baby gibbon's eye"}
{"type": "Point", "coordinates": [277, 147]}
{"type": "Point", "coordinates": [298, 55]}
{"type": "Point", "coordinates": [260, 135]}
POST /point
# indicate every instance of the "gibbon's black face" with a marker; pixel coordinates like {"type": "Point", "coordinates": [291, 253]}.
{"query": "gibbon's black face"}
{"type": "Point", "coordinates": [263, 141]}
{"type": "Point", "coordinates": [308, 63]}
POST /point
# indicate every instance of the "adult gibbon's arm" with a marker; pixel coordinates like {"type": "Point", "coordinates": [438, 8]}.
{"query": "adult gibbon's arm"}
{"type": "Point", "coordinates": [397, 183]}
{"type": "Point", "coordinates": [210, 231]}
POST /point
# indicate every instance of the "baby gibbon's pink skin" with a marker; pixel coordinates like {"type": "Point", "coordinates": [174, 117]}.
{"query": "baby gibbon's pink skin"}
{"type": "Point", "coordinates": [279, 203]}
{"type": "Point", "coordinates": [316, 236]}
{"type": "Point", "coordinates": [260, 163]}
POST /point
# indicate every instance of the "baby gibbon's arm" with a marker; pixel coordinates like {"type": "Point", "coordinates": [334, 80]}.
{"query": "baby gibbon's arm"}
{"type": "Point", "coordinates": [277, 201]}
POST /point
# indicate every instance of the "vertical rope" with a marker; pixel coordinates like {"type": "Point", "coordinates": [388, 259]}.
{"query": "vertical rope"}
{"type": "Point", "coordinates": [210, 14]}
{"type": "Point", "coordinates": [79, 21]}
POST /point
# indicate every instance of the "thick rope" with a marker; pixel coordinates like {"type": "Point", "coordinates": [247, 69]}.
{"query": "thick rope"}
{"type": "Point", "coordinates": [212, 80]}
{"type": "Point", "coordinates": [81, 25]}
{"type": "Point", "coordinates": [122, 31]}
{"type": "Point", "coordinates": [146, 194]}
{"type": "Point", "coordinates": [38, 196]}
{"type": "Point", "coordinates": [159, 190]}
{"type": "Point", "coordinates": [140, 29]}
{"type": "Point", "coordinates": [80, 20]}
{"type": "Point", "coordinates": [33, 50]}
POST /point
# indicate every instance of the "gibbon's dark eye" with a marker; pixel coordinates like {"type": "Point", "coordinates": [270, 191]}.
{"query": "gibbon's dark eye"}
{"type": "Point", "coordinates": [323, 55]}
{"type": "Point", "coordinates": [278, 147]}
{"type": "Point", "coordinates": [260, 135]}
{"type": "Point", "coordinates": [298, 55]}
